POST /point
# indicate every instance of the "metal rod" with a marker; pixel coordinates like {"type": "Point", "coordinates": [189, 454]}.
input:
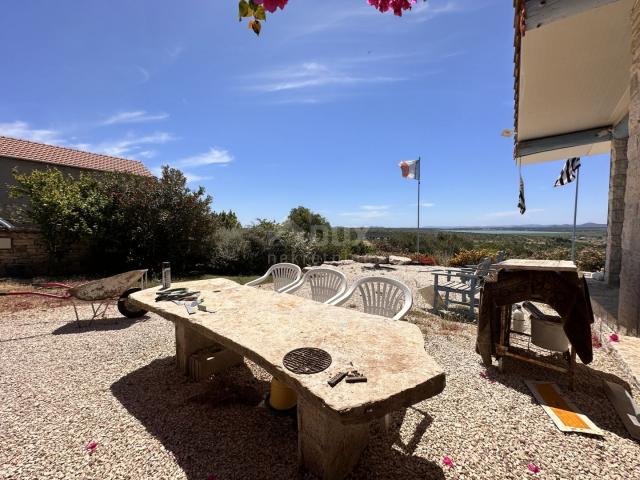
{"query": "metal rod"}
{"type": "Point", "coordinates": [418, 232]}
{"type": "Point", "coordinates": [575, 217]}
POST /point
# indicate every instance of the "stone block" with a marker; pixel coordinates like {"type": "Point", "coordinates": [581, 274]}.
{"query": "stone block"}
{"type": "Point", "coordinates": [396, 260]}
{"type": "Point", "coordinates": [326, 447]}
{"type": "Point", "coordinates": [211, 360]}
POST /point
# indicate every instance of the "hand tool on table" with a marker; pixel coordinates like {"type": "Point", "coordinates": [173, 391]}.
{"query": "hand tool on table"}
{"type": "Point", "coordinates": [174, 294]}
{"type": "Point", "coordinates": [351, 376]}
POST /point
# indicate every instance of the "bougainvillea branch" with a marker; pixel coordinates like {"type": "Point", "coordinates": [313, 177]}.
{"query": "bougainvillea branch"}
{"type": "Point", "coordinates": [256, 9]}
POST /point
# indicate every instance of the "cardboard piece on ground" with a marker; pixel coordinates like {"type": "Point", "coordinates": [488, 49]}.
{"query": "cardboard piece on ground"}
{"type": "Point", "coordinates": [626, 408]}
{"type": "Point", "coordinates": [565, 415]}
{"type": "Point", "coordinates": [427, 294]}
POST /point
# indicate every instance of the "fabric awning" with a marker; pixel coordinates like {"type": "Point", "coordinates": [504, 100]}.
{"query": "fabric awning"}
{"type": "Point", "coordinates": [572, 76]}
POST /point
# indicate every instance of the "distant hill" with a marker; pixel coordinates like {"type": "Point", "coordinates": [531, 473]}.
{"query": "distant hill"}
{"type": "Point", "coordinates": [523, 228]}
{"type": "Point", "coordinates": [537, 227]}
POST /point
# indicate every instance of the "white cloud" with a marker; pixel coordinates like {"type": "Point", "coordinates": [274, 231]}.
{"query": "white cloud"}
{"type": "Point", "coordinates": [80, 146]}
{"type": "Point", "coordinates": [137, 116]}
{"type": "Point", "coordinates": [19, 129]}
{"type": "Point", "coordinates": [175, 51]}
{"type": "Point", "coordinates": [511, 213]}
{"type": "Point", "coordinates": [375, 208]}
{"type": "Point", "coordinates": [425, 11]}
{"type": "Point", "coordinates": [129, 144]}
{"type": "Point", "coordinates": [365, 17]}
{"type": "Point", "coordinates": [214, 156]}
{"type": "Point", "coordinates": [192, 177]}
{"type": "Point", "coordinates": [146, 154]}
{"type": "Point", "coordinates": [144, 74]}
{"type": "Point", "coordinates": [312, 75]}
{"type": "Point", "coordinates": [368, 212]}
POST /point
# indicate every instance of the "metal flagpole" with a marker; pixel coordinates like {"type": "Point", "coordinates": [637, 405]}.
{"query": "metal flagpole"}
{"type": "Point", "coordinates": [418, 232]}
{"type": "Point", "coordinates": [575, 216]}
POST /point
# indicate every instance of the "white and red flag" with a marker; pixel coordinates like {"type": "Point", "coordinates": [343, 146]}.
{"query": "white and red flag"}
{"type": "Point", "coordinates": [410, 169]}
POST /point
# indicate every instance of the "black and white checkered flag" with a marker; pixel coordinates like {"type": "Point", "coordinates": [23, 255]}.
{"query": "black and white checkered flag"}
{"type": "Point", "coordinates": [521, 205]}
{"type": "Point", "coordinates": [568, 173]}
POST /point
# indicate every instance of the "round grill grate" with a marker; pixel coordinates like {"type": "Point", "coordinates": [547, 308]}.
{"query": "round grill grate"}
{"type": "Point", "coordinates": [307, 360]}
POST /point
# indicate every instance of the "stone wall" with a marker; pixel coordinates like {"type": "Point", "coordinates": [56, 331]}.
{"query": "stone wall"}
{"type": "Point", "coordinates": [617, 186]}
{"type": "Point", "coordinates": [629, 307]}
{"type": "Point", "coordinates": [23, 253]}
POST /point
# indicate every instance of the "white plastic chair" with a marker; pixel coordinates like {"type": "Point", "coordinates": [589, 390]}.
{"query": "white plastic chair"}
{"type": "Point", "coordinates": [381, 296]}
{"type": "Point", "coordinates": [326, 284]}
{"type": "Point", "coordinates": [284, 274]}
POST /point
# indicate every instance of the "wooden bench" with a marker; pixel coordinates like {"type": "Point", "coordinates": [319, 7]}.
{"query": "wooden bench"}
{"type": "Point", "coordinates": [262, 325]}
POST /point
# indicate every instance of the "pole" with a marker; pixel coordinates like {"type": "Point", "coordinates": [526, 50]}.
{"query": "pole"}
{"type": "Point", "coordinates": [418, 232]}
{"type": "Point", "coordinates": [575, 216]}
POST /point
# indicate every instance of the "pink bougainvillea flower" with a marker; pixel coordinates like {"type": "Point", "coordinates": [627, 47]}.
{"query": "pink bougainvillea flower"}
{"type": "Point", "coordinates": [447, 461]}
{"type": "Point", "coordinates": [533, 468]}
{"type": "Point", "coordinates": [595, 341]}
{"type": "Point", "coordinates": [614, 337]}
{"type": "Point", "coordinates": [485, 374]}
{"type": "Point", "coordinates": [91, 447]}
{"type": "Point", "coordinates": [396, 5]}
{"type": "Point", "coordinates": [271, 5]}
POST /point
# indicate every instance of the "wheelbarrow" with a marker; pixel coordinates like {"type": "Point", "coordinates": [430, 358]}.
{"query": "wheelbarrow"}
{"type": "Point", "coordinates": [100, 293]}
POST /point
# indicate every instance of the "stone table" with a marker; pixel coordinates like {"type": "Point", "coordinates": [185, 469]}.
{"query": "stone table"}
{"type": "Point", "coordinates": [262, 325]}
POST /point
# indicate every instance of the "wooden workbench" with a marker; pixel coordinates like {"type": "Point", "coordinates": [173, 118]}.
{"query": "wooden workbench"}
{"type": "Point", "coordinates": [553, 282]}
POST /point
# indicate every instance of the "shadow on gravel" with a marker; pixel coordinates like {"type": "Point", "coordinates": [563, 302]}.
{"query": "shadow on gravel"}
{"type": "Point", "coordinates": [220, 428]}
{"type": "Point", "coordinates": [98, 325]}
{"type": "Point", "coordinates": [589, 395]}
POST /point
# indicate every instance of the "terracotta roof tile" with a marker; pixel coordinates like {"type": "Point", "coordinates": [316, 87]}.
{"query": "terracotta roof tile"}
{"type": "Point", "coordinates": [53, 155]}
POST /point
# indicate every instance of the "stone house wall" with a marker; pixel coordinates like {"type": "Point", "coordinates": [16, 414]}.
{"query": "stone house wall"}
{"type": "Point", "coordinates": [617, 187]}
{"type": "Point", "coordinates": [23, 253]}
{"type": "Point", "coordinates": [629, 303]}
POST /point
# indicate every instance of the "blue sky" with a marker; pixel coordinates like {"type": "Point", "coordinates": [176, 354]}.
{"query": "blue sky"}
{"type": "Point", "coordinates": [317, 111]}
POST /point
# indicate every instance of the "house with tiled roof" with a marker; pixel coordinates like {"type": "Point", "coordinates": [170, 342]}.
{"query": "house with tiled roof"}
{"type": "Point", "coordinates": [27, 156]}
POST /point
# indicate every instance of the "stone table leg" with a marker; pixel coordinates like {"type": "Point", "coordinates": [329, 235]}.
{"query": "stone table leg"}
{"type": "Point", "coordinates": [189, 341]}
{"type": "Point", "coordinates": [326, 447]}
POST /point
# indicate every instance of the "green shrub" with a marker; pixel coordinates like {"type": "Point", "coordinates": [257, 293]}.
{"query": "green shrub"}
{"type": "Point", "coordinates": [126, 221]}
{"type": "Point", "coordinates": [470, 257]}
{"type": "Point", "coordinates": [591, 259]}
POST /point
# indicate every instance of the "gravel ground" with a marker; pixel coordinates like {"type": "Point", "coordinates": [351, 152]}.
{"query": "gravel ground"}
{"type": "Point", "coordinates": [115, 383]}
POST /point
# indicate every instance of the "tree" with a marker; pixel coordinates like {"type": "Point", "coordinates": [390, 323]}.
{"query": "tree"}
{"type": "Point", "coordinates": [304, 219]}
{"type": "Point", "coordinates": [63, 207]}
{"type": "Point", "coordinates": [226, 220]}
{"type": "Point", "coordinates": [125, 220]}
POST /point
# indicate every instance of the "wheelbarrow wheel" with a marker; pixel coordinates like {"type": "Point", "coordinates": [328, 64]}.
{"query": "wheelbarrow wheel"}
{"type": "Point", "coordinates": [126, 309]}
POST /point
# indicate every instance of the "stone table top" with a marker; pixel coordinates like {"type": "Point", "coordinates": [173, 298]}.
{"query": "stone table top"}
{"type": "Point", "coordinates": [542, 265]}
{"type": "Point", "coordinates": [263, 326]}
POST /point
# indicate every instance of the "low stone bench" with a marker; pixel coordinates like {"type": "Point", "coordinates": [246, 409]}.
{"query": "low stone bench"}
{"type": "Point", "coordinates": [261, 325]}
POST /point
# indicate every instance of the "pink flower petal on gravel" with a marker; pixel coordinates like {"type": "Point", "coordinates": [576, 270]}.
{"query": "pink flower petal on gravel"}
{"type": "Point", "coordinates": [91, 447]}
{"type": "Point", "coordinates": [447, 461]}
{"type": "Point", "coordinates": [533, 468]}
{"type": "Point", "coordinates": [614, 337]}
{"type": "Point", "coordinates": [484, 374]}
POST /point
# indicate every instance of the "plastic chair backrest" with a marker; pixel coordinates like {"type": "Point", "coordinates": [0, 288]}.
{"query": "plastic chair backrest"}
{"type": "Point", "coordinates": [325, 283]}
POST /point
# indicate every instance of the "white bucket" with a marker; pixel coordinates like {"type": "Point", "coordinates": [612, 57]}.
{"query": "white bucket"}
{"type": "Point", "coordinates": [517, 320]}
{"type": "Point", "coordinates": [549, 335]}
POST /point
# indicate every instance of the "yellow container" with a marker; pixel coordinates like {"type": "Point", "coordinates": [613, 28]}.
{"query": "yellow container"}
{"type": "Point", "coordinates": [281, 397]}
